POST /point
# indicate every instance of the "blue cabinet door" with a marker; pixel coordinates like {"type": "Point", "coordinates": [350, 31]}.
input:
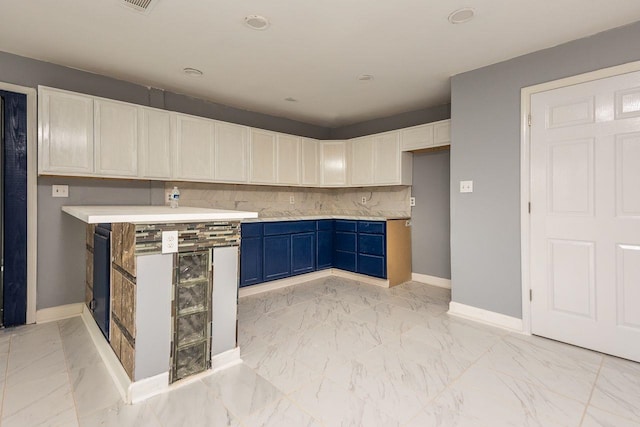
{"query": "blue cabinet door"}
{"type": "Point", "coordinates": [325, 249]}
{"type": "Point", "coordinates": [277, 257]}
{"type": "Point", "coordinates": [303, 253]}
{"type": "Point", "coordinates": [250, 261]}
{"type": "Point", "coordinates": [345, 260]}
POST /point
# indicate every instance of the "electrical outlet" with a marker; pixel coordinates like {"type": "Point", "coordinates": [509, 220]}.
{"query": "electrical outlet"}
{"type": "Point", "coordinates": [364, 200]}
{"type": "Point", "coordinates": [466, 186]}
{"type": "Point", "coordinates": [169, 242]}
{"type": "Point", "coordinates": [292, 200]}
{"type": "Point", "coordinates": [59, 191]}
{"type": "Point", "coordinates": [412, 201]}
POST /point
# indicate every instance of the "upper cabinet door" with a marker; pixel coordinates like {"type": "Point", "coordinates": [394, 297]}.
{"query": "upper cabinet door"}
{"type": "Point", "coordinates": [417, 137]}
{"type": "Point", "coordinates": [288, 159]}
{"type": "Point", "coordinates": [154, 154]}
{"type": "Point", "coordinates": [309, 162]}
{"type": "Point", "coordinates": [333, 163]}
{"type": "Point", "coordinates": [362, 161]}
{"type": "Point", "coordinates": [232, 150]}
{"type": "Point", "coordinates": [116, 138]}
{"type": "Point", "coordinates": [262, 157]}
{"type": "Point", "coordinates": [387, 166]}
{"type": "Point", "coordinates": [442, 133]}
{"type": "Point", "coordinates": [65, 127]}
{"type": "Point", "coordinates": [194, 148]}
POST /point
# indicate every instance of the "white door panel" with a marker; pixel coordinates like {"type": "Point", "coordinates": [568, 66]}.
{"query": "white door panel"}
{"type": "Point", "coordinates": [585, 218]}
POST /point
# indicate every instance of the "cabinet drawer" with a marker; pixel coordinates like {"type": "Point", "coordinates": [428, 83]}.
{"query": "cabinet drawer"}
{"type": "Point", "coordinates": [372, 265]}
{"type": "Point", "coordinates": [344, 225]}
{"type": "Point", "coordinates": [345, 241]}
{"type": "Point", "coordinates": [345, 260]}
{"type": "Point", "coordinates": [372, 244]}
{"type": "Point", "coordinates": [289, 227]}
{"type": "Point", "coordinates": [251, 230]}
{"type": "Point", "coordinates": [371, 227]}
{"type": "Point", "coordinates": [325, 224]}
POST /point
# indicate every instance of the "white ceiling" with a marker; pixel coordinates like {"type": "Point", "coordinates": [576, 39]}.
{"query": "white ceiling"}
{"type": "Point", "coordinates": [313, 51]}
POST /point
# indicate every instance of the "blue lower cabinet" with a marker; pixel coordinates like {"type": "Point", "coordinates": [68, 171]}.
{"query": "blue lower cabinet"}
{"type": "Point", "coordinates": [371, 244]}
{"type": "Point", "coordinates": [303, 253]}
{"type": "Point", "coordinates": [345, 261]}
{"type": "Point", "coordinates": [251, 254]}
{"type": "Point", "coordinates": [325, 249]}
{"type": "Point", "coordinates": [277, 257]}
{"type": "Point", "coordinates": [372, 265]}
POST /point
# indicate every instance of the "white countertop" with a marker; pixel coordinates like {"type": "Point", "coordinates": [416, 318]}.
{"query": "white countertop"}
{"type": "Point", "coordinates": [319, 217]}
{"type": "Point", "coordinates": [153, 214]}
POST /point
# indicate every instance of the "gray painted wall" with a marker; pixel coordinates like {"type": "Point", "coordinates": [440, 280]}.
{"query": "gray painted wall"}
{"type": "Point", "coordinates": [430, 218]}
{"type": "Point", "coordinates": [61, 238]}
{"type": "Point", "coordinates": [399, 121]}
{"type": "Point", "coordinates": [485, 114]}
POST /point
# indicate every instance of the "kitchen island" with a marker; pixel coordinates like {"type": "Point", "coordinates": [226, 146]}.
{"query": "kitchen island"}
{"type": "Point", "coordinates": [162, 302]}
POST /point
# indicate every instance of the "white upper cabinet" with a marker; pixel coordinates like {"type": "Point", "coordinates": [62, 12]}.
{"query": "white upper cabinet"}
{"type": "Point", "coordinates": [116, 138]}
{"type": "Point", "coordinates": [262, 157]}
{"type": "Point", "coordinates": [389, 163]}
{"type": "Point", "coordinates": [442, 133]}
{"type": "Point", "coordinates": [65, 127]}
{"type": "Point", "coordinates": [154, 149]}
{"type": "Point", "coordinates": [231, 152]}
{"type": "Point", "coordinates": [377, 160]}
{"type": "Point", "coordinates": [288, 159]}
{"type": "Point", "coordinates": [309, 162]}
{"type": "Point", "coordinates": [333, 163]}
{"type": "Point", "coordinates": [362, 160]}
{"type": "Point", "coordinates": [194, 148]}
{"type": "Point", "coordinates": [426, 136]}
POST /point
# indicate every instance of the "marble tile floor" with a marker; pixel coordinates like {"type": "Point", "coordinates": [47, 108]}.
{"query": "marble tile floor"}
{"type": "Point", "coordinates": [333, 352]}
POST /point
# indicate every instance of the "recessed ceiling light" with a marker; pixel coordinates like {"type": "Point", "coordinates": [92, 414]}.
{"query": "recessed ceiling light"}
{"type": "Point", "coordinates": [192, 72]}
{"type": "Point", "coordinates": [461, 16]}
{"type": "Point", "coordinates": [290, 99]}
{"type": "Point", "coordinates": [365, 77]}
{"type": "Point", "coordinates": [256, 22]}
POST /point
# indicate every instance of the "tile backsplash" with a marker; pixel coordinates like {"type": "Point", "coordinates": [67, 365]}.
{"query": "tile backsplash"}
{"type": "Point", "coordinates": [271, 201]}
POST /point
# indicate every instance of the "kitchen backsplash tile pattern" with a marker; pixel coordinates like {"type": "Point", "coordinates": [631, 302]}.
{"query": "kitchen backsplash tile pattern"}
{"type": "Point", "coordinates": [274, 202]}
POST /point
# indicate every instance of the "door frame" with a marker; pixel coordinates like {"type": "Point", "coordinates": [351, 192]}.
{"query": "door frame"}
{"type": "Point", "coordinates": [32, 193]}
{"type": "Point", "coordinates": [525, 168]}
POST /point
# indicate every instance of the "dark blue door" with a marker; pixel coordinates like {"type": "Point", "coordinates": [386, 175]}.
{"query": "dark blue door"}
{"type": "Point", "coordinates": [303, 253]}
{"type": "Point", "coordinates": [250, 261]}
{"type": "Point", "coordinates": [102, 278]}
{"type": "Point", "coordinates": [325, 249]}
{"type": "Point", "coordinates": [277, 257]}
{"type": "Point", "coordinates": [14, 207]}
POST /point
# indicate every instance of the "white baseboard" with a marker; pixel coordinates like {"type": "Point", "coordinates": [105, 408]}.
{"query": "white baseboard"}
{"type": "Point", "coordinates": [58, 313]}
{"type": "Point", "coordinates": [282, 283]}
{"type": "Point", "coordinates": [431, 280]}
{"type": "Point", "coordinates": [485, 316]}
{"type": "Point", "coordinates": [226, 359]}
{"type": "Point", "coordinates": [384, 283]}
{"type": "Point", "coordinates": [117, 372]}
{"type": "Point", "coordinates": [143, 389]}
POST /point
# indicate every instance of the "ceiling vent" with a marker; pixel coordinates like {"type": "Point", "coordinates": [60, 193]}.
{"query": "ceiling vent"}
{"type": "Point", "coordinates": [142, 6]}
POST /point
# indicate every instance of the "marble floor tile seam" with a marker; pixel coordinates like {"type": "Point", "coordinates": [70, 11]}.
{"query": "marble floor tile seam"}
{"type": "Point", "coordinates": [254, 411]}
{"type": "Point", "coordinates": [243, 420]}
{"type": "Point", "coordinates": [534, 384]}
{"type": "Point", "coordinates": [4, 384]}
{"type": "Point", "coordinates": [593, 388]}
{"type": "Point", "coordinates": [608, 411]}
{"type": "Point", "coordinates": [73, 395]}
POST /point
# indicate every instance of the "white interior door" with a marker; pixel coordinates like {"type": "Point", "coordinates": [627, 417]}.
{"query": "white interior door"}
{"type": "Point", "coordinates": [585, 215]}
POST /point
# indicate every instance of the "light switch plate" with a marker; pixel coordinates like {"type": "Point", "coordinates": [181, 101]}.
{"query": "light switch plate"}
{"type": "Point", "coordinates": [169, 242]}
{"type": "Point", "coordinates": [466, 186]}
{"type": "Point", "coordinates": [59, 191]}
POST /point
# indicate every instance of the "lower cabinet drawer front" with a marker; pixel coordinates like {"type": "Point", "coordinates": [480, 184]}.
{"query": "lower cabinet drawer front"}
{"type": "Point", "coordinates": [371, 227]}
{"type": "Point", "coordinates": [346, 225]}
{"type": "Point", "coordinates": [372, 265]}
{"type": "Point", "coordinates": [251, 229]}
{"type": "Point", "coordinates": [345, 241]}
{"type": "Point", "coordinates": [345, 260]}
{"type": "Point", "coordinates": [288, 227]}
{"type": "Point", "coordinates": [372, 244]}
